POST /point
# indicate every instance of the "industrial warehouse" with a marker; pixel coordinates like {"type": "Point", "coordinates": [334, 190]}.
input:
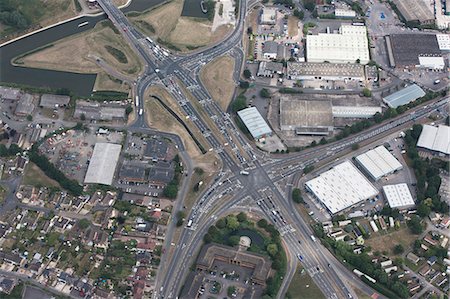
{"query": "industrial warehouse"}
{"type": "Point", "coordinates": [435, 139]}
{"type": "Point", "coordinates": [255, 123]}
{"type": "Point", "coordinates": [103, 163]}
{"type": "Point", "coordinates": [349, 45]}
{"type": "Point", "coordinates": [325, 71]}
{"type": "Point", "coordinates": [398, 196]}
{"type": "Point", "coordinates": [341, 187]}
{"type": "Point", "coordinates": [378, 162]}
{"type": "Point", "coordinates": [306, 117]}
{"type": "Point", "coordinates": [404, 96]}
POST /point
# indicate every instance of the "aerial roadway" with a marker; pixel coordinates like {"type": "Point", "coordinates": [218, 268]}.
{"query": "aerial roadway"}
{"type": "Point", "coordinates": [259, 173]}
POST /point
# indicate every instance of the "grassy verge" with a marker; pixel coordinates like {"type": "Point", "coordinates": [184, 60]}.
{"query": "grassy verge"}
{"type": "Point", "coordinates": [303, 287]}
{"type": "Point", "coordinates": [119, 55]}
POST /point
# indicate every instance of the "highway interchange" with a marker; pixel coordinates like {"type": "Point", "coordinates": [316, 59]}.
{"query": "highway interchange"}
{"type": "Point", "coordinates": [231, 188]}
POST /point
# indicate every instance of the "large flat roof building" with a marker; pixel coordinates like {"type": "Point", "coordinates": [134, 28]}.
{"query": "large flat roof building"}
{"type": "Point", "coordinates": [436, 139]}
{"type": "Point", "coordinates": [416, 10]}
{"type": "Point", "coordinates": [406, 48]}
{"type": "Point", "coordinates": [103, 163]}
{"type": "Point", "coordinates": [310, 117]}
{"type": "Point", "coordinates": [341, 187]}
{"type": "Point", "coordinates": [398, 196]}
{"type": "Point", "coordinates": [404, 96]}
{"type": "Point", "coordinates": [8, 93]}
{"type": "Point", "coordinates": [325, 71]}
{"type": "Point", "coordinates": [54, 101]}
{"type": "Point", "coordinates": [254, 122]}
{"type": "Point", "coordinates": [378, 162]}
{"type": "Point", "coordinates": [444, 39]}
{"type": "Point", "coordinates": [25, 105]}
{"type": "Point", "coordinates": [347, 46]}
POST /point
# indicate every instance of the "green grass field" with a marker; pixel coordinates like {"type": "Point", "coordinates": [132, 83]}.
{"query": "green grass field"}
{"type": "Point", "coordinates": [303, 287]}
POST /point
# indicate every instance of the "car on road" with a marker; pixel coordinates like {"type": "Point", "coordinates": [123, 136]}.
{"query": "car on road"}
{"type": "Point", "coordinates": [300, 257]}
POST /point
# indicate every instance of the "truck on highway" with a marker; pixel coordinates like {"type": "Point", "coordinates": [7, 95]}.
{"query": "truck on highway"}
{"type": "Point", "coordinates": [313, 238]}
{"type": "Point", "coordinates": [141, 111]}
{"type": "Point", "coordinates": [243, 172]}
{"type": "Point", "coordinates": [137, 101]}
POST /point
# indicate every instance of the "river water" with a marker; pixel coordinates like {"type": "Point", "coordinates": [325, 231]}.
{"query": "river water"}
{"type": "Point", "coordinates": [80, 84]}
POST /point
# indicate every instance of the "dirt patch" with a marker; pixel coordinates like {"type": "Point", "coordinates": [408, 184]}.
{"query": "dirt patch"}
{"type": "Point", "coordinates": [191, 32]}
{"type": "Point", "coordinates": [162, 19]}
{"type": "Point", "coordinates": [119, 3]}
{"type": "Point", "coordinates": [74, 53]}
{"type": "Point", "coordinates": [178, 33]}
{"type": "Point", "coordinates": [218, 79]}
{"type": "Point", "coordinates": [292, 26]}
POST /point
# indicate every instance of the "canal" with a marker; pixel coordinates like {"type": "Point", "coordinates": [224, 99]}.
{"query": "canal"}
{"type": "Point", "coordinates": [80, 84]}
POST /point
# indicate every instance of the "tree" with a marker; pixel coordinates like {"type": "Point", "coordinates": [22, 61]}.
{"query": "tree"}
{"type": "Point", "coordinates": [247, 73]}
{"type": "Point", "coordinates": [264, 93]}
{"type": "Point", "coordinates": [171, 191]}
{"type": "Point", "coordinates": [367, 92]}
{"type": "Point", "coordinates": [239, 103]}
{"type": "Point", "coordinates": [207, 238]}
{"type": "Point", "coordinates": [299, 14]}
{"type": "Point", "coordinates": [128, 110]}
{"type": "Point", "coordinates": [297, 196]}
{"type": "Point", "coordinates": [398, 249]}
{"type": "Point", "coordinates": [415, 225]}
{"type": "Point", "coordinates": [83, 116]}
{"type": "Point", "coordinates": [244, 84]}
{"type": "Point", "coordinates": [232, 222]}
{"type": "Point", "coordinates": [423, 210]}
{"type": "Point", "coordinates": [355, 146]}
{"type": "Point", "coordinates": [231, 290]}
{"type": "Point", "coordinates": [233, 240]}
{"type": "Point", "coordinates": [262, 223]}
{"type": "Point", "coordinates": [241, 217]}
{"type": "Point", "coordinates": [29, 117]}
{"type": "Point", "coordinates": [272, 249]}
{"type": "Point", "coordinates": [221, 224]}
{"type": "Point", "coordinates": [308, 169]}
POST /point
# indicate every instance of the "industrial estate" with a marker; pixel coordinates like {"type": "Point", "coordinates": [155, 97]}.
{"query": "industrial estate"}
{"type": "Point", "coordinates": [224, 149]}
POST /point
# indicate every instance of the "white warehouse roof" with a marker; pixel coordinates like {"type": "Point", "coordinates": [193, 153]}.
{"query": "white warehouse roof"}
{"type": "Point", "coordinates": [103, 163]}
{"type": "Point", "coordinates": [355, 111]}
{"type": "Point", "coordinates": [432, 62]}
{"type": "Point", "coordinates": [443, 41]}
{"type": "Point", "coordinates": [254, 122]}
{"type": "Point", "coordinates": [435, 138]}
{"type": "Point", "coordinates": [398, 196]}
{"type": "Point", "coordinates": [379, 162]}
{"type": "Point", "coordinates": [349, 45]}
{"type": "Point", "coordinates": [341, 187]}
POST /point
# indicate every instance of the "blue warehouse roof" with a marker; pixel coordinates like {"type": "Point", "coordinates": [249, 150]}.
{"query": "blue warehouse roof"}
{"type": "Point", "coordinates": [404, 96]}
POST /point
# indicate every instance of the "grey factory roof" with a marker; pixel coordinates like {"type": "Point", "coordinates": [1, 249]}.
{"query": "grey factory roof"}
{"type": "Point", "coordinates": [103, 163]}
{"type": "Point", "coordinates": [296, 113]}
{"type": "Point", "coordinates": [8, 93]}
{"type": "Point", "coordinates": [415, 10]}
{"type": "Point", "coordinates": [93, 110]}
{"type": "Point", "coordinates": [325, 69]}
{"type": "Point", "coordinates": [132, 172]}
{"type": "Point", "coordinates": [254, 122]}
{"type": "Point", "coordinates": [435, 138]}
{"type": "Point", "coordinates": [54, 100]}
{"type": "Point", "coordinates": [355, 111]}
{"type": "Point", "coordinates": [267, 68]}
{"type": "Point", "coordinates": [270, 47]}
{"type": "Point", "coordinates": [404, 96]}
{"type": "Point", "coordinates": [25, 105]}
{"type": "Point", "coordinates": [407, 48]}
{"type": "Point", "coordinates": [162, 172]}
{"type": "Point", "coordinates": [156, 149]}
